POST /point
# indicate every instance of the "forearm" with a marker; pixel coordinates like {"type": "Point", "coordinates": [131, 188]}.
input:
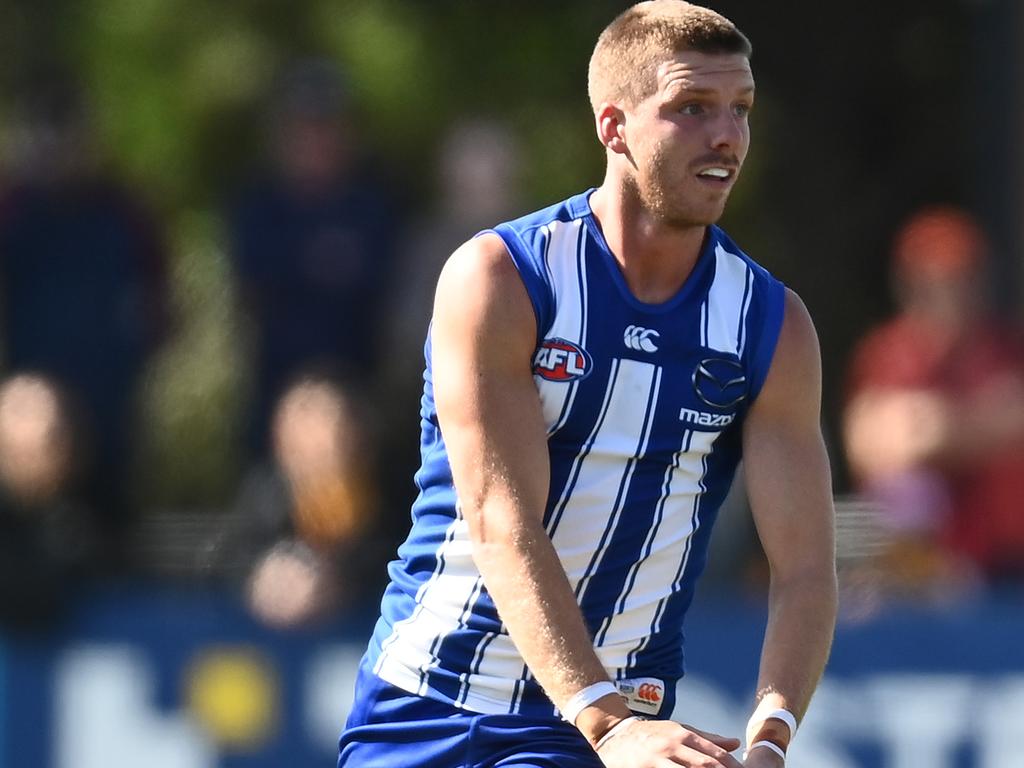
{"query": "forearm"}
{"type": "Point", "coordinates": [801, 621]}
{"type": "Point", "coordinates": [527, 582]}
{"type": "Point", "coordinates": [484, 338]}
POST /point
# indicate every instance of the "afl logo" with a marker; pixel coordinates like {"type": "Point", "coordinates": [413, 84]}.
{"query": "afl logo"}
{"type": "Point", "coordinates": [561, 360]}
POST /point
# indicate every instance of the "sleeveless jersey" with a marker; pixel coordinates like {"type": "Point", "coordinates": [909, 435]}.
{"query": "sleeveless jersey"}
{"type": "Point", "coordinates": [643, 405]}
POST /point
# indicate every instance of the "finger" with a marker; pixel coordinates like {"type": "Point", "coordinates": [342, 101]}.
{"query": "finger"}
{"type": "Point", "coordinates": [699, 749]}
{"type": "Point", "coordinates": [727, 743]}
{"type": "Point", "coordinates": [690, 756]}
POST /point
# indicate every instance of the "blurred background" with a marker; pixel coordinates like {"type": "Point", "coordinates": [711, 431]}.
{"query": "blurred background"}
{"type": "Point", "coordinates": [220, 225]}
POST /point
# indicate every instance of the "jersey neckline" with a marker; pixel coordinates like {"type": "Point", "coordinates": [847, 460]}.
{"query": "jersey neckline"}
{"type": "Point", "coordinates": [579, 206]}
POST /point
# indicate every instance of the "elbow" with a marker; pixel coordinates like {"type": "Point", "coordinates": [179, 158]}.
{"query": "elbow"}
{"type": "Point", "coordinates": [493, 529]}
{"type": "Point", "coordinates": [819, 584]}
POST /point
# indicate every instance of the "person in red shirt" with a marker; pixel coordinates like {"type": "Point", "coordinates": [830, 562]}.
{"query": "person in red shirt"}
{"type": "Point", "coordinates": [934, 416]}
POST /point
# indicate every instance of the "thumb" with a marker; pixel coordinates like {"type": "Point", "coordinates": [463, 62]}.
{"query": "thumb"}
{"type": "Point", "coordinates": [727, 743]}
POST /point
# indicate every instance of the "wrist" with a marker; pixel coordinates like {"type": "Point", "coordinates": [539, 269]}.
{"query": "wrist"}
{"type": "Point", "coordinates": [771, 731]}
{"type": "Point", "coordinates": [597, 719]}
{"type": "Point", "coordinates": [771, 725]}
{"type": "Point", "coordinates": [615, 730]}
{"type": "Point", "coordinates": [766, 747]}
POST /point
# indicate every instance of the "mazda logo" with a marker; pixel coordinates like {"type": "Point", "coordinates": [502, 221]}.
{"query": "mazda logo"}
{"type": "Point", "coordinates": [720, 382]}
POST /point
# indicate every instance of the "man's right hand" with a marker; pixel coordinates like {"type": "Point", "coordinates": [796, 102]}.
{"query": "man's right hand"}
{"type": "Point", "coordinates": [662, 743]}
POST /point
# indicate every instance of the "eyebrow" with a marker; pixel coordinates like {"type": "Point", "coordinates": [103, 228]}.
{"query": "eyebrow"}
{"type": "Point", "coordinates": [709, 91]}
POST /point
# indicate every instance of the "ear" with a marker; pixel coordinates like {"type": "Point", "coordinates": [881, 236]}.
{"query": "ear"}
{"type": "Point", "coordinates": [611, 128]}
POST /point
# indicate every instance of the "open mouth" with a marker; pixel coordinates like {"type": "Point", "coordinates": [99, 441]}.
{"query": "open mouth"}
{"type": "Point", "coordinates": [717, 174]}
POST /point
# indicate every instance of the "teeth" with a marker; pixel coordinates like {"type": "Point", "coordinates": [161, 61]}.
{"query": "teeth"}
{"type": "Point", "coordinates": [718, 173]}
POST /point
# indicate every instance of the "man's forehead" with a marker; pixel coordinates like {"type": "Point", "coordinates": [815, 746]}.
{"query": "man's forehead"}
{"type": "Point", "coordinates": [688, 67]}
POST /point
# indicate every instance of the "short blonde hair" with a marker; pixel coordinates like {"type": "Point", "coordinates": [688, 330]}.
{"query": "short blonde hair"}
{"type": "Point", "coordinates": [625, 59]}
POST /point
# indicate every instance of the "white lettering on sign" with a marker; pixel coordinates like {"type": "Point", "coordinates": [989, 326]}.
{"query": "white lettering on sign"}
{"type": "Point", "coordinates": [106, 716]}
{"type": "Point", "coordinates": [912, 720]}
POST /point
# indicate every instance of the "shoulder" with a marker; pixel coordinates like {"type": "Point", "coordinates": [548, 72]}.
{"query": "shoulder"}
{"type": "Point", "coordinates": [798, 333]}
{"type": "Point", "coordinates": [480, 291]}
{"type": "Point", "coordinates": [530, 243]}
{"type": "Point", "coordinates": [481, 263]}
{"type": "Point", "coordinates": [794, 377]}
{"type": "Point", "coordinates": [798, 351]}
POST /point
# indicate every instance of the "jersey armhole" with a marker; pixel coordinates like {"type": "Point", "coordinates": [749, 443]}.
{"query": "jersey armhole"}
{"type": "Point", "coordinates": [764, 351]}
{"type": "Point", "coordinates": [533, 272]}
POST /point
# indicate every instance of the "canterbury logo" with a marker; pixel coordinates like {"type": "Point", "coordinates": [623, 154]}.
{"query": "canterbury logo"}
{"type": "Point", "coordinates": [640, 339]}
{"type": "Point", "coordinates": [649, 692]}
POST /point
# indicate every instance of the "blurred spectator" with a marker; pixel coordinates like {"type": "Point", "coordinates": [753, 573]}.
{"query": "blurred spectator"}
{"type": "Point", "coordinates": [478, 185]}
{"type": "Point", "coordinates": [300, 538]}
{"type": "Point", "coordinates": [312, 240]}
{"type": "Point", "coordinates": [46, 541]}
{"type": "Point", "coordinates": [82, 276]}
{"type": "Point", "coordinates": [934, 421]}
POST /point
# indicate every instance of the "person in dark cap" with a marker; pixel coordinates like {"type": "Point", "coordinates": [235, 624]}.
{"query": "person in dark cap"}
{"type": "Point", "coordinates": [312, 239]}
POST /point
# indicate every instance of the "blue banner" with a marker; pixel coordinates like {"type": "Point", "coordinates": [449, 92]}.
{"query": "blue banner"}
{"type": "Point", "coordinates": [173, 679]}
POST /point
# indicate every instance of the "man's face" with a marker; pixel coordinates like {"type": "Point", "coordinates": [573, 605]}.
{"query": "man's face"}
{"type": "Point", "coordinates": [689, 138]}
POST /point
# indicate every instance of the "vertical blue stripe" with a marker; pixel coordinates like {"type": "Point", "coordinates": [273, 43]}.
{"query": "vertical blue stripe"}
{"type": "Point", "coordinates": [418, 609]}
{"type": "Point", "coordinates": [517, 692]}
{"type": "Point", "coordinates": [581, 277]}
{"type": "Point", "coordinates": [574, 474]}
{"type": "Point", "coordinates": [659, 517]}
{"type": "Point", "coordinates": [659, 612]}
{"type": "Point", "coordinates": [627, 474]}
{"type": "Point", "coordinates": [440, 643]}
{"type": "Point", "coordinates": [719, 468]}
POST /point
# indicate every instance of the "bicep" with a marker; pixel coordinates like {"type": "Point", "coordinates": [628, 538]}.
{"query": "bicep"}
{"type": "Point", "coordinates": [483, 337]}
{"type": "Point", "coordinates": [785, 461]}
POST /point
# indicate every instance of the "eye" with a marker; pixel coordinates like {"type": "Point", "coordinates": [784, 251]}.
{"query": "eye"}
{"type": "Point", "coordinates": [692, 108]}
{"type": "Point", "coordinates": [741, 110]}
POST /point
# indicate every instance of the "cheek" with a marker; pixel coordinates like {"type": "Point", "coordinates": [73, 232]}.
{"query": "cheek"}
{"type": "Point", "coordinates": [744, 140]}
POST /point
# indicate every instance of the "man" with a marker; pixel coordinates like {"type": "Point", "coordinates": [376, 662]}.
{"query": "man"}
{"type": "Point", "coordinates": [594, 370]}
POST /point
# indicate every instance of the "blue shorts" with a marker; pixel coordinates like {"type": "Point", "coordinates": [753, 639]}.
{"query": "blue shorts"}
{"type": "Point", "coordinates": [390, 728]}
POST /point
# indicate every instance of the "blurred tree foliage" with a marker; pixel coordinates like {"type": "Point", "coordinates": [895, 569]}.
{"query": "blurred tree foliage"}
{"type": "Point", "coordinates": [180, 89]}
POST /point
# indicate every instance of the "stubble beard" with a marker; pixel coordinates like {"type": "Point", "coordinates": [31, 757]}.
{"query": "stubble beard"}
{"type": "Point", "coordinates": [662, 192]}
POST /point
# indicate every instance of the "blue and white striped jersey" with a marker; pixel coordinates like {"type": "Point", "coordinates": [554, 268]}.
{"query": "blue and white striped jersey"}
{"type": "Point", "coordinates": [643, 405]}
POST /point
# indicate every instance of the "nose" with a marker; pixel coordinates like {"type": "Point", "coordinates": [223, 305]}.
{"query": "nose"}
{"type": "Point", "coordinates": [728, 132]}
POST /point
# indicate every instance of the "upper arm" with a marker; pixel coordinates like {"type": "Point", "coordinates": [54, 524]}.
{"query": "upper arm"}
{"type": "Point", "coordinates": [483, 339]}
{"type": "Point", "coordinates": [785, 461]}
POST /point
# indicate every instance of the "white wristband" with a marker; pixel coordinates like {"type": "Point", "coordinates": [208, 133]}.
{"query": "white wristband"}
{"type": "Point", "coordinates": [767, 745]}
{"type": "Point", "coordinates": [583, 699]}
{"type": "Point", "coordinates": [765, 711]}
{"type": "Point", "coordinates": [614, 730]}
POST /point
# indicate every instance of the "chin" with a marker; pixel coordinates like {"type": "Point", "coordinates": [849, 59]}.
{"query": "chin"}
{"type": "Point", "coordinates": [694, 213]}
{"type": "Point", "coordinates": [689, 218]}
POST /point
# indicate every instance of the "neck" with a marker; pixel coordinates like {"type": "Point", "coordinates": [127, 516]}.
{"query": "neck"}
{"type": "Point", "coordinates": [655, 257]}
